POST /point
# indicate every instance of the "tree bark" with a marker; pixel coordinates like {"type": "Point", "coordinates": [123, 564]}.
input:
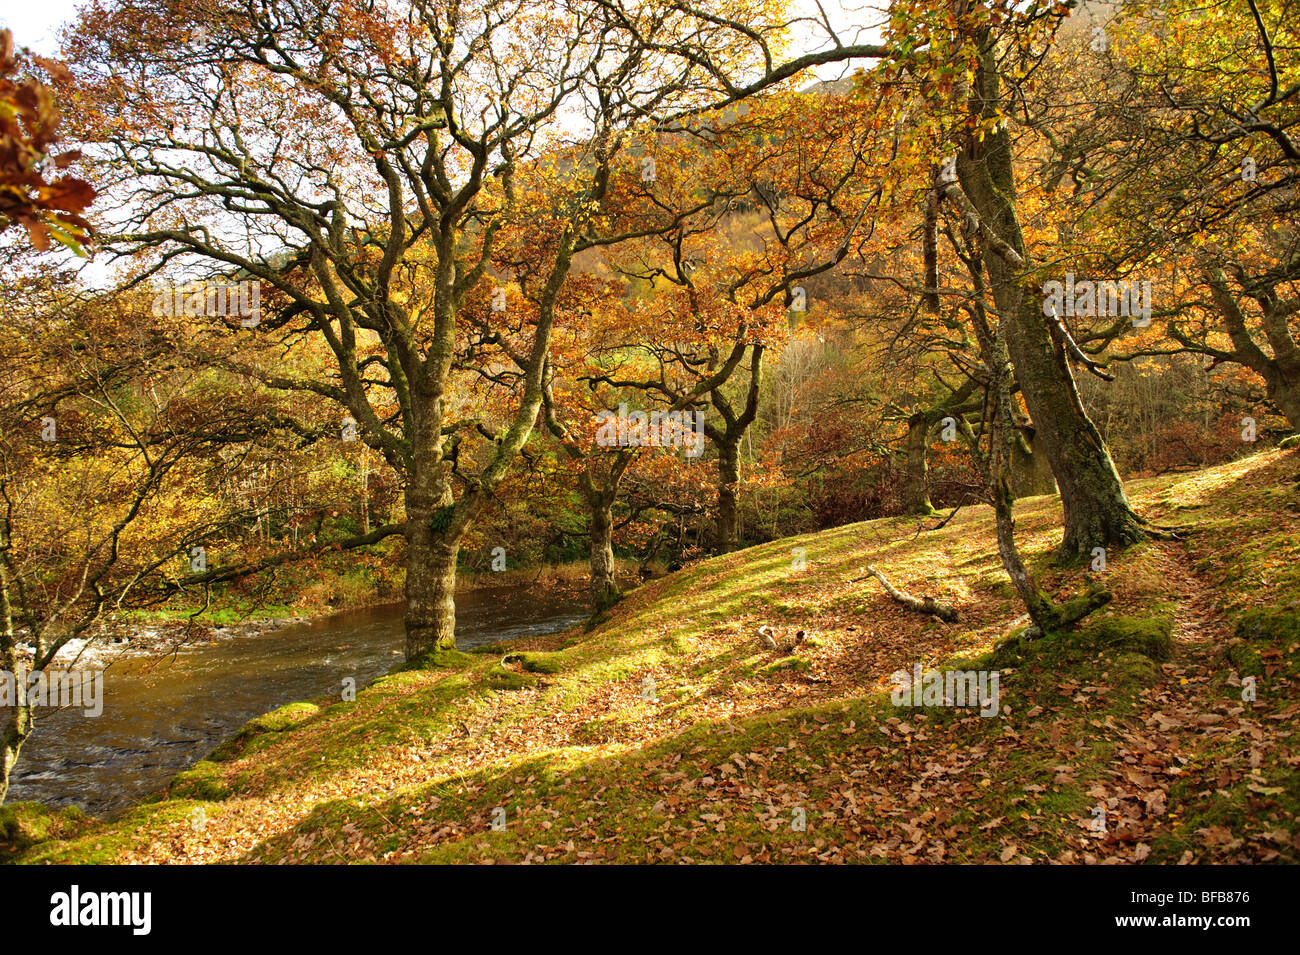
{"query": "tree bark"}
{"type": "Point", "coordinates": [1097, 512]}
{"type": "Point", "coordinates": [1283, 377]}
{"type": "Point", "coordinates": [925, 605]}
{"type": "Point", "coordinates": [432, 538]}
{"type": "Point", "coordinates": [916, 495]}
{"type": "Point", "coordinates": [15, 727]}
{"type": "Point", "coordinates": [728, 506]}
{"type": "Point", "coordinates": [1031, 472]}
{"type": "Point", "coordinates": [1281, 370]}
{"type": "Point", "coordinates": [1003, 443]}
{"type": "Point", "coordinates": [1286, 395]}
{"type": "Point", "coordinates": [727, 440]}
{"type": "Point", "coordinates": [16, 720]}
{"type": "Point", "coordinates": [604, 585]}
{"type": "Point", "coordinates": [430, 582]}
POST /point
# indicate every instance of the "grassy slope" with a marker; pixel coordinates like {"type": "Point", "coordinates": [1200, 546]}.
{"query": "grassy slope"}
{"type": "Point", "coordinates": [666, 734]}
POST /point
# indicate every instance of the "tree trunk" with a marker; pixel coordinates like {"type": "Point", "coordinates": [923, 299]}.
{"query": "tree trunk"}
{"type": "Point", "coordinates": [1031, 472]}
{"type": "Point", "coordinates": [1035, 600]}
{"type": "Point", "coordinates": [432, 542]}
{"type": "Point", "coordinates": [600, 491]}
{"type": "Point", "coordinates": [1004, 441]}
{"type": "Point", "coordinates": [15, 720]}
{"type": "Point", "coordinates": [916, 496]}
{"type": "Point", "coordinates": [1097, 512]}
{"type": "Point", "coordinates": [15, 727]}
{"type": "Point", "coordinates": [1284, 377]}
{"type": "Point", "coordinates": [430, 586]}
{"type": "Point", "coordinates": [1281, 370]}
{"type": "Point", "coordinates": [728, 505]}
{"type": "Point", "coordinates": [727, 440]}
{"type": "Point", "coordinates": [1286, 395]}
{"type": "Point", "coordinates": [604, 586]}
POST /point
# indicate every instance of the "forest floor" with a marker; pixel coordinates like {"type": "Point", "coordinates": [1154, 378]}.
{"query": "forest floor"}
{"type": "Point", "coordinates": [666, 733]}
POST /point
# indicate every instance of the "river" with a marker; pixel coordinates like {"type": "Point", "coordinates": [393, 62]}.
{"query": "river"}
{"type": "Point", "coordinates": [161, 715]}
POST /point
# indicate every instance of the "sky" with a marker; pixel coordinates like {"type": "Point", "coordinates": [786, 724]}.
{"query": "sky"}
{"type": "Point", "coordinates": [35, 23]}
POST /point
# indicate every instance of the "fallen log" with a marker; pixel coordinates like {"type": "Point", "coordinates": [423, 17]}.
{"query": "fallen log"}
{"type": "Point", "coordinates": [926, 605]}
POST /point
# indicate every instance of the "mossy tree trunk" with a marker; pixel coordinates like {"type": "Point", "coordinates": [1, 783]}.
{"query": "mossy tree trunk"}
{"type": "Point", "coordinates": [600, 492]}
{"type": "Point", "coordinates": [1281, 370]}
{"type": "Point", "coordinates": [15, 727]}
{"type": "Point", "coordinates": [599, 481]}
{"type": "Point", "coordinates": [995, 464]}
{"type": "Point", "coordinates": [1031, 472]}
{"type": "Point", "coordinates": [433, 534]}
{"type": "Point", "coordinates": [728, 522]}
{"type": "Point", "coordinates": [727, 441]}
{"type": "Point", "coordinates": [962, 401]}
{"type": "Point", "coordinates": [15, 720]}
{"type": "Point", "coordinates": [1003, 439]}
{"type": "Point", "coordinates": [604, 586]}
{"type": "Point", "coordinates": [1097, 512]}
{"type": "Point", "coordinates": [436, 520]}
{"type": "Point", "coordinates": [916, 493]}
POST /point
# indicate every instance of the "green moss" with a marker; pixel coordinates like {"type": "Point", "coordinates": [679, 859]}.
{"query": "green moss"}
{"type": "Point", "coordinates": [202, 781]}
{"type": "Point", "coordinates": [785, 663]}
{"type": "Point", "coordinates": [289, 715]}
{"type": "Point", "coordinates": [104, 843]}
{"type": "Point", "coordinates": [1129, 668]}
{"type": "Point", "coordinates": [1075, 609]}
{"type": "Point", "coordinates": [26, 824]}
{"type": "Point", "coordinates": [1265, 631]}
{"type": "Point", "coordinates": [535, 662]}
{"type": "Point", "coordinates": [607, 602]}
{"type": "Point", "coordinates": [499, 678]}
{"type": "Point", "coordinates": [440, 659]}
{"type": "Point", "coordinates": [277, 721]}
{"type": "Point", "coordinates": [1150, 637]}
{"type": "Point", "coordinates": [1275, 626]}
{"type": "Point", "coordinates": [1290, 441]}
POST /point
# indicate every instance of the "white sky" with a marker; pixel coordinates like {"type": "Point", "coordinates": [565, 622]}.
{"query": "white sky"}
{"type": "Point", "coordinates": [36, 22]}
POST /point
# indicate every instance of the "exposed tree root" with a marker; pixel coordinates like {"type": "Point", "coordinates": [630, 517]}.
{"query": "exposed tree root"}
{"type": "Point", "coordinates": [1066, 614]}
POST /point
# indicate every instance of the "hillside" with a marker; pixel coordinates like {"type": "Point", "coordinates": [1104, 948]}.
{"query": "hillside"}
{"type": "Point", "coordinates": [667, 733]}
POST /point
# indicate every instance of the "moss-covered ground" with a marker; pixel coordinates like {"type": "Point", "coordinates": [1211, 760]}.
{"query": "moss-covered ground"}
{"type": "Point", "coordinates": [1162, 729]}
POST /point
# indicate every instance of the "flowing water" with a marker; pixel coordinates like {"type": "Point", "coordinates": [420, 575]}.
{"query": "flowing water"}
{"type": "Point", "coordinates": [161, 715]}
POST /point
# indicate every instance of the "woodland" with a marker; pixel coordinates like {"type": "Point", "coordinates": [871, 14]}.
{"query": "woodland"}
{"type": "Point", "coordinates": [793, 344]}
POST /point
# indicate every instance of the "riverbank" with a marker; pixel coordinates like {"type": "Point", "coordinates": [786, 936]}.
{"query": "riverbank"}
{"type": "Point", "coordinates": [168, 630]}
{"type": "Point", "coordinates": [158, 715]}
{"type": "Point", "coordinates": [669, 733]}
